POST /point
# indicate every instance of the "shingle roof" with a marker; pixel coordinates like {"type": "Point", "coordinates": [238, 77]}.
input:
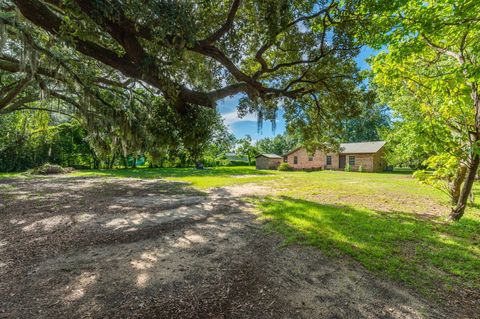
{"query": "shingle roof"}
{"type": "Point", "coordinates": [269, 155]}
{"type": "Point", "coordinates": [359, 148]}
{"type": "Point", "coordinates": [362, 147]}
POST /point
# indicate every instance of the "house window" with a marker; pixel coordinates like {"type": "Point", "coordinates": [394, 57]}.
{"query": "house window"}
{"type": "Point", "coordinates": [295, 160]}
{"type": "Point", "coordinates": [351, 160]}
{"type": "Point", "coordinates": [310, 158]}
{"type": "Point", "coordinates": [329, 160]}
{"type": "Point", "coordinates": [285, 159]}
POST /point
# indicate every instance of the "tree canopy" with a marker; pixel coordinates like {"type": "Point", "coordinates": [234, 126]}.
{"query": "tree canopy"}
{"type": "Point", "coordinates": [146, 77]}
{"type": "Point", "coordinates": [191, 52]}
{"type": "Point", "coordinates": [432, 63]}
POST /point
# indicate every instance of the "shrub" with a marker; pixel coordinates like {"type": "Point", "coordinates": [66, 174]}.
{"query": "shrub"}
{"type": "Point", "coordinates": [360, 168]}
{"type": "Point", "coordinates": [348, 168]}
{"type": "Point", "coordinates": [237, 163]}
{"type": "Point", "coordinates": [49, 169]}
{"type": "Point", "coordinates": [284, 167]}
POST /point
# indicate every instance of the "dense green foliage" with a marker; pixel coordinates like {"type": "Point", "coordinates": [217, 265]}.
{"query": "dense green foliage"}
{"type": "Point", "coordinates": [280, 144]}
{"type": "Point", "coordinates": [28, 140]}
{"type": "Point", "coordinates": [284, 167]}
{"type": "Point", "coordinates": [32, 138]}
{"type": "Point", "coordinates": [246, 148]}
{"type": "Point", "coordinates": [369, 125]}
{"type": "Point", "coordinates": [430, 77]}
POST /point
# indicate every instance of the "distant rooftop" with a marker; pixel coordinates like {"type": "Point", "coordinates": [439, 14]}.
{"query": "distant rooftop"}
{"type": "Point", "coordinates": [269, 155]}
{"type": "Point", "coordinates": [361, 147]}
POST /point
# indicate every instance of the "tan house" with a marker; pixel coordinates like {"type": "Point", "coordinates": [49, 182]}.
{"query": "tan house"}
{"type": "Point", "coordinates": [368, 155]}
{"type": "Point", "coordinates": [267, 161]}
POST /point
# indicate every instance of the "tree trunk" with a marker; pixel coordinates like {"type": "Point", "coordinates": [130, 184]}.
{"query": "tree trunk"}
{"type": "Point", "coordinates": [110, 164]}
{"type": "Point", "coordinates": [459, 210]}
{"type": "Point", "coordinates": [134, 163]}
{"type": "Point", "coordinates": [456, 184]}
{"type": "Point", "coordinates": [125, 162]}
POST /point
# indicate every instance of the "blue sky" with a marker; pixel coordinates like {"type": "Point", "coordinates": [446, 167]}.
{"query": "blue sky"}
{"type": "Point", "coordinates": [248, 124]}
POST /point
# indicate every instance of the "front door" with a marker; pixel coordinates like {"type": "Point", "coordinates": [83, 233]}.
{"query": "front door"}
{"type": "Point", "coordinates": [341, 162]}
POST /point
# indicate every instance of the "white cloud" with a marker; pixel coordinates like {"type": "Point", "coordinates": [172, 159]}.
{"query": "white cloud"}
{"type": "Point", "coordinates": [232, 117]}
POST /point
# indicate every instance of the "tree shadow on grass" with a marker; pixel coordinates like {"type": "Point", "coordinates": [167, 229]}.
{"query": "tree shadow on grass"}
{"type": "Point", "coordinates": [424, 253]}
{"type": "Point", "coordinates": [124, 249]}
{"type": "Point", "coordinates": [179, 172]}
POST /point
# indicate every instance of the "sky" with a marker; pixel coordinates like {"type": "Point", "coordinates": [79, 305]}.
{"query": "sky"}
{"type": "Point", "coordinates": [249, 125]}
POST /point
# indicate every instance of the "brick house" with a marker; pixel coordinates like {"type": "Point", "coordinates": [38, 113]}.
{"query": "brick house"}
{"type": "Point", "coordinates": [368, 155]}
{"type": "Point", "coordinates": [267, 161]}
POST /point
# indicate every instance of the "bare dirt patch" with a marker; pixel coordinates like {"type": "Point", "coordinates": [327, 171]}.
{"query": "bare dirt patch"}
{"type": "Point", "coordinates": [128, 248]}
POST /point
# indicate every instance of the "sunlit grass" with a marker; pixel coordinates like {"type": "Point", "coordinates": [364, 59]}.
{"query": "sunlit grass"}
{"type": "Point", "coordinates": [202, 182]}
{"type": "Point", "coordinates": [389, 223]}
{"type": "Point", "coordinates": [202, 179]}
{"type": "Point", "coordinates": [12, 175]}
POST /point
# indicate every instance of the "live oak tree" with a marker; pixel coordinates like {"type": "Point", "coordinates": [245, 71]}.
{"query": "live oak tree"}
{"type": "Point", "coordinates": [198, 52]}
{"type": "Point", "coordinates": [123, 117]}
{"type": "Point", "coordinates": [444, 35]}
{"type": "Point", "coordinates": [39, 74]}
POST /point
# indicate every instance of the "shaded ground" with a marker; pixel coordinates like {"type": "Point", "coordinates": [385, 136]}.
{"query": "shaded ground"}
{"type": "Point", "coordinates": [126, 248]}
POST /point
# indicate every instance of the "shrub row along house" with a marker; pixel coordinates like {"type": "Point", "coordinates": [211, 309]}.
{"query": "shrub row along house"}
{"type": "Point", "coordinates": [365, 156]}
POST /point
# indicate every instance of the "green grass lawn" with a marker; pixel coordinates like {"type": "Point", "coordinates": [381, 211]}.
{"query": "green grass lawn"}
{"type": "Point", "coordinates": [388, 222]}
{"type": "Point", "coordinates": [201, 179]}
{"type": "Point", "coordinates": [11, 175]}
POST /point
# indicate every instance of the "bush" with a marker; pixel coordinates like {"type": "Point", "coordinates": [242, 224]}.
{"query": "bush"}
{"type": "Point", "coordinates": [360, 168]}
{"type": "Point", "coordinates": [238, 163]}
{"type": "Point", "coordinates": [348, 168]}
{"type": "Point", "coordinates": [284, 167]}
{"type": "Point", "coordinates": [50, 169]}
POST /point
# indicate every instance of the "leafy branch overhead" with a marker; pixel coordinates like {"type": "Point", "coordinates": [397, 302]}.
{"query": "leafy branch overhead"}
{"type": "Point", "coordinates": [198, 52]}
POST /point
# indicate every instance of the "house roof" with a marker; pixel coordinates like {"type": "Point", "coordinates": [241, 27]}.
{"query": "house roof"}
{"type": "Point", "coordinates": [358, 148]}
{"type": "Point", "coordinates": [294, 150]}
{"type": "Point", "coordinates": [269, 155]}
{"type": "Point", "coordinates": [362, 147]}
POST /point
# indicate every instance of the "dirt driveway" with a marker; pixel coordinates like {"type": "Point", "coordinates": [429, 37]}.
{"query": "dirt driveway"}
{"type": "Point", "coordinates": [127, 248]}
